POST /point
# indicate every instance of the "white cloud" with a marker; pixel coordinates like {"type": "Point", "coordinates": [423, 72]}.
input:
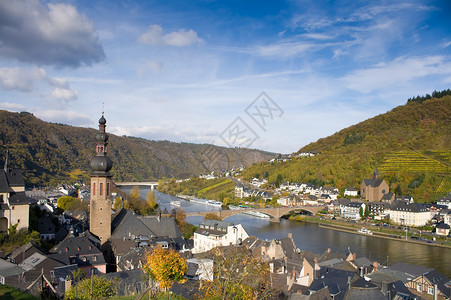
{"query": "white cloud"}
{"type": "Point", "coordinates": [64, 94]}
{"type": "Point", "coordinates": [12, 106]}
{"type": "Point", "coordinates": [20, 79]}
{"type": "Point", "coordinates": [399, 71]}
{"type": "Point", "coordinates": [64, 116]}
{"type": "Point", "coordinates": [284, 49]}
{"type": "Point", "coordinates": [53, 35]}
{"type": "Point", "coordinates": [154, 36]}
{"type": "Point", "coordinates": [29, 80]}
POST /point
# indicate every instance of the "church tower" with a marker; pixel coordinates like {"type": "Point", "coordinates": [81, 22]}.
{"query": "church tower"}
{"type": "Point", "coordinates": [101, 183]}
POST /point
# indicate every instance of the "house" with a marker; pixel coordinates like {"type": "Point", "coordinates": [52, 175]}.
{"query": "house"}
{"type": "Point", "coordinates": [442, 229]}
{"type": "Point", "coordinates": [351, 192]}
{"type": "Point", "coordinates": [47, 229]}
{"type": "Point", "coordinates": [374, 189]}
{"type": "Point", "coordinates": [409, 214]}
{"type": "Point", "coordinates": [212, 233]}
{"type": "Point", "coordinates": [425, 282]}
{"type": "Point", "coordinates": [10, 273]}
{"type": "Point", "coordinates": [200, 269]}
{"type": "Point", "coordinates": [447, 218]}
{"type": "Point", "coordinates": [14, 204]}
{"type": "Point", "coordinates": [352, 210]}
{"type": "Point", "coordinates": [378, 209]}
{"type": "Point", "coordinates": [82, 250]}
{"type": "Point", "coordinates": [445, 201]}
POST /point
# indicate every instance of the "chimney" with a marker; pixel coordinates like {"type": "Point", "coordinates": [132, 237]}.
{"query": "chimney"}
{"type": "Point", "coordinates": [67, 283]}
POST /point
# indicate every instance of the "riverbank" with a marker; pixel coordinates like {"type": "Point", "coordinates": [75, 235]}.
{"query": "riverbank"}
{"type": "Point", "coordinates": [391, 235]}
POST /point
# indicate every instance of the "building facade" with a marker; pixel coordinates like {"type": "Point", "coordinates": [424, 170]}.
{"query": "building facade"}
{"type": "Point", "coordinates": [212, 233]}
{"type": "Point", "coordinates": [14, 204]}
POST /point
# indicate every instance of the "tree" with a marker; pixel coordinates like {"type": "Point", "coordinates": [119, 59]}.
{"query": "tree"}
{"type": "Point", "coordinates": [165, 266]}
{"type": "Point", "coordinates": [151, 200]}
{"type": "Point", "coordinates": [71, 203]}
{"type": "Point", "coordinates": [117, 203]}
{"type": "Point", "coordinates": [237, 275]}
{"type": "Point", "coordinates": [212, 216]}
{"type": "Point", "coordinates": [101, 288]}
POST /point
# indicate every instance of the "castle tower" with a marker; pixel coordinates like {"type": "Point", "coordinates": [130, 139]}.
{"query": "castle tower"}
{"type": "Point", "coordinates": [101, 183]}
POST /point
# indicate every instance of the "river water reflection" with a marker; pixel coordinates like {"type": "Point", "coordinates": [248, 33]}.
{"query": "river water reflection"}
{"type": "Point", "coordinates": [310, 237]}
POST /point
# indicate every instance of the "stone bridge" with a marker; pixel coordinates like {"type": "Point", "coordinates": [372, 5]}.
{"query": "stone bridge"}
{"type": "Point", "coordinates": [274, 213]}
{"type": "Point", "coordinates": [152, 185]}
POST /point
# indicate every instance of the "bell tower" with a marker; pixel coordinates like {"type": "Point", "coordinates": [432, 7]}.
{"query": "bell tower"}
{"type": "Point", "coordinates": [101, 183]}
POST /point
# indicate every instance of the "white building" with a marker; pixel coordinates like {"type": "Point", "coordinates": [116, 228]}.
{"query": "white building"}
{"type": "Point", "coordinates": [212, 233]}
{"type": "Point", "coordinates": [352, 210]}
{"type": "Point", "coordinates": [446, 201]}
{"type": "Point", "coordinates": [409, 214]}
{"type": "Point", "coordinates": [351, 192]}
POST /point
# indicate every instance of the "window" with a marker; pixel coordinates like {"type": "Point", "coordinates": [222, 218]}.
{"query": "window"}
{"type": "Point", "coordinates": [419, 287]}
{"type": "Point", "coordinates": [94, 189]}
{"type": "Point", "coordinates": [430, 290]}
{"type": "Point", "coordinates": [101, 189]}
{"type": "Point", "coordinates": [107, 188]}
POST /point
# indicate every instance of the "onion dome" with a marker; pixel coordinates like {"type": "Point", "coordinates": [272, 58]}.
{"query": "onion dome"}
{"type": "Point", "coordinates": [102, 120]}
{"type": "Point", "coordinates": [101, 137]}
{"type": "Point", "coordinates": [101, 164]}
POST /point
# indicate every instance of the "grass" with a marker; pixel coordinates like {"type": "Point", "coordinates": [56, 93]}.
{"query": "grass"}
{"type": "Point", "coordinates": [9, 293]}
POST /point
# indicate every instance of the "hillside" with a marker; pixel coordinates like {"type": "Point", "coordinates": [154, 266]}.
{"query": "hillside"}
{"type": "Point", "coordinates": [411, 145]}
{"type": "Point", "coordinates": [50, 153]}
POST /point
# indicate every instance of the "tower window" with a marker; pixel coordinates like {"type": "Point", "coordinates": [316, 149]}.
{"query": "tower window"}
{"type": "Point", "coordinates": [101, 189]}
{"type": "Point", "coordinates": [107, 188]}
{"type": "Point", "coordinates": [94, 189]}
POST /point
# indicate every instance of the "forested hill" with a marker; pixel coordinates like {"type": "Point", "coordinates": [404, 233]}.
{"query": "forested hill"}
{"type": "Point", "coordinates": [49, 153]}
{"type": "Point", "coordinates": [411, 146]}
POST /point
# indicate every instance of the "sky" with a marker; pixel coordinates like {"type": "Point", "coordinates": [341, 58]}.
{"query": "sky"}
{"type": "Point", "coordinates": [271, 75]}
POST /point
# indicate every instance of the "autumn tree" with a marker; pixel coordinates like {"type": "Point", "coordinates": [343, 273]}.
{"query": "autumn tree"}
{"type": "Point", "coordinates": [237, 275]}
{"type": "Point", "coordinates": [212, 216]}
{"type": "Point", "coordinates": [165, 267]}
{"type": "Point", "coordinates": [71, 203]}
{"type": "Point", "coordinates": [117, 203]}
{"type": "Point", "coordinates": [101, 288]}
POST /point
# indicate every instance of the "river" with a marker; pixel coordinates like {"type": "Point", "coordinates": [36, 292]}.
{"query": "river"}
{"type": "Point", "coordinates": [310, 237]}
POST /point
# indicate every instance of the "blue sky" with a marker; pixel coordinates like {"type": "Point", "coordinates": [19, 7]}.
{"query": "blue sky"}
{"type": "Point", "coordinates": [194, 71]}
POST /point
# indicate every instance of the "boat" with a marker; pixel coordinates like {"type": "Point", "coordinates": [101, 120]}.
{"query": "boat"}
{"type": "Point", "coordinates": [214, 203]}
{"type": "Point", "coordinates": [363, 230]}
{"type": "Point", "coordinates": [175, 203]}
{"type": "Point", "coordinates": [257, 214]}
{"type": "Point", "coordinates": [234, 207]}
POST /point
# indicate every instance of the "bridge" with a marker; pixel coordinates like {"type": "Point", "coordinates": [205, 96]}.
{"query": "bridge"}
{"type": "Point", "coordinates": [152, 185]}
{"type": "Point", "coordinates": [274, 213]}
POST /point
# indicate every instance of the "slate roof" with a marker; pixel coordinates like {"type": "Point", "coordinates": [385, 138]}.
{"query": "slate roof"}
{"type": "Point", "coordinates": [410, 207]}
{"type": "Point", "coordinates": [336, 281]}
{"type": "Point", "coordinates": [129, 282]}
{"type": "Point", "coordinates": [373, 182]}
{"type": "Point", "coordinates": [23, 252]}
{"type": "Point", "coordinates": [80, 250]}
{"type": "Point", "coordinates": [362, 289]}
{"type": "Point", "coordinates": [8, 269]}
{"type": "Point", "coordinates": [126, 224]}
{"type": "Point", "coordinates": [398, 288]}
{"type": "Point", "coordinates": [388, 275]}
{"type": "Point", "coordinates": [19, 198]}
{"type": "Point", "coordinates": [46, 226]}
{"type": "Point", "coordinates": [412, 270]}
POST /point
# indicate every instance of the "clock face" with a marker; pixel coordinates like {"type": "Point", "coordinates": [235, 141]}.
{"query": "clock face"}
{"type": "Point", "coordinates": [102, 163]}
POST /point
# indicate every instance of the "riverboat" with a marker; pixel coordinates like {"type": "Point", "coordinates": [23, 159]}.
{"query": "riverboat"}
{"type": "Point", "coordinates": [234, 207]}
{"type": "Point", "coordinates": [175, 203]}
{"type": "Point", "coordinates": [257, 214]}
{"type": "Point", "coordinates": [363, 230]}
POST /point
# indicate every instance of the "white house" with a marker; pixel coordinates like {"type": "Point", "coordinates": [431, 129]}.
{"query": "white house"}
{"type": "Point", "coordinates": [446, 201]}
{"type": "Point", "coordinates": [352, 210]}
{"type": "Point", "coordinates": [409, 214]}
{"type": "Point", "coordinates": [212, 233]}
{"type": "Point", "coordinates": [351, 192]}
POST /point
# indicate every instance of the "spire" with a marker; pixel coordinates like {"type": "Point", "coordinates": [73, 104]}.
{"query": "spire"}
{"type": "Point", "coordinates": [6, 161]}
{"type": "Point", "coordinates": [375, 174]}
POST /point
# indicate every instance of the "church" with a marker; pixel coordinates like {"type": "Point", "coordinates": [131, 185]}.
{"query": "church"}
{"type": "Point", "coordinates": [373, 190]}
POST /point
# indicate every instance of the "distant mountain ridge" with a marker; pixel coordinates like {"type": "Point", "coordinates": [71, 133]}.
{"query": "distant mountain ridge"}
{"type": "Point", "coordinates": [411, 145]}
{"type": "Point", "coordinates": [49, 152]}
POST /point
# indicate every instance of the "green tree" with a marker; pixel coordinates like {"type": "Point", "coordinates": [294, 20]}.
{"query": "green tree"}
{"type": "Point", "coordinates": [101, 289]}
